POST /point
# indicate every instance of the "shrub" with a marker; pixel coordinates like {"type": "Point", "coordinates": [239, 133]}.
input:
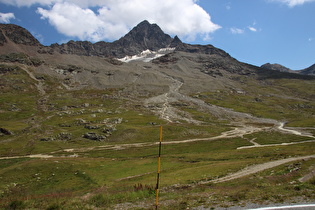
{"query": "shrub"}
{"type": "Point", "coordinates": [16, 205]}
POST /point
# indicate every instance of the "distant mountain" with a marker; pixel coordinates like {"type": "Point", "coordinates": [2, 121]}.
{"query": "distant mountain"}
{"type": "Point", "coordinates": [144, 36]}
{"type": "Point", "coordinates": [276, 67]}
{"type": "Point", "coordinates": [308, 71]}
{"type": "Point", "coordinates": [143, 42]}
{"type": "Point", "coordinates": [17, 35]}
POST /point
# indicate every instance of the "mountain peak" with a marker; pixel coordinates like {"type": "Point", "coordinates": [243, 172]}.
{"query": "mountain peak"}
{"type": "Point", "coordinates": [145, 36]}
{"type": "Point", "coordinates": [144, 23]}
{"type": "Point", "coordinates": [276, 67]}
{"type": "Point", "coordinates": [17, 34]}
{"type": "Point", "coordinates": [176, 42]}
{"type": "Point", "coordinates": [308, 71]}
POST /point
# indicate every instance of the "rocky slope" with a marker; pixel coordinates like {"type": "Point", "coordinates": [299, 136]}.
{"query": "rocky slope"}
{"type": "Point", "coordinates": [96, 116]}
{"type": "Point", "coordinates": [80, 64]}
{"type": "Point", "coordinates": [276, 67]}
{"type": "Point", "coordinates": [144, 36]}
{"type": "Point", "coordinates": [308, 71]}
{"type": "Point", "coordinates": [17, 35]}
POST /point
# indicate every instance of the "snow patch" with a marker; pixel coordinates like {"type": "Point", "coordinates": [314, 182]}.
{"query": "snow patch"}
{"type": "Point", "coordinates": [147, 55]}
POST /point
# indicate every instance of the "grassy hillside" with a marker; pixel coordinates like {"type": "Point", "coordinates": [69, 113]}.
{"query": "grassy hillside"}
{"type": "Point", "coordinates": [102, 151]}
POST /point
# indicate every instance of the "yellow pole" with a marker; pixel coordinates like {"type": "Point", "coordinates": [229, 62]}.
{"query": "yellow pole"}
{"type": "Point", "coordinates": [158, 172]}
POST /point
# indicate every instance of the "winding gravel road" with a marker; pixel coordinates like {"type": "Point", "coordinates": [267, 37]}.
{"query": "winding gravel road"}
{"type": "Point", "coordinates": [257, 168]}
{"type": "Point", "coordinates": [164, 109]}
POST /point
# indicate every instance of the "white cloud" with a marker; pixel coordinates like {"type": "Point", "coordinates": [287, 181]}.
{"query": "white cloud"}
{"type": "Point", "coordinates": [72, 20]}
{"type": "Point", "coordinates": [81, 3]}
{"type": "Point", "coordinates": [236, 30]}
{"type": "Point", "coordinates": [27, 3]}
{"type": "Point", "coordinates": [5, 17]}
{"type": "Point", "coordinates": [114, 18]}
{"type": "Point", "coordinates": [252, 29]}
{"type": "Point", "coordinates": [293, 3]}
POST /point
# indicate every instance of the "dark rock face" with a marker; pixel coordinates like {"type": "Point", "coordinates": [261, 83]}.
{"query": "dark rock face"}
{"type": "Point", "coordinates": [202, 49]}
{"type": "Point", "coordinates": [2, 39]}
{"type": "Point", "coordinates": [176, 42]}
{"type": "Point", "coordinates": [166, 59]}
{"type": "Point", "coordinates": [142, 37]}
{"type": "Point", "coordinates": [78, 48]}
{"type": "Point", "coordinates": [17, 34]}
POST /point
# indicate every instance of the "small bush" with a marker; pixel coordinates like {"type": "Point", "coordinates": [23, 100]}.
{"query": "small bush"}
{"type": "Point", "coordinates": [312, 181]}
{"type": "Point", "coordinates": [16, 205]}
{"type": "Point", "coordinates": [99, 200]}
{"type": "Point", "coordinates": [141, 187]}
{"type": "Point", "coordinates": [54, 206]}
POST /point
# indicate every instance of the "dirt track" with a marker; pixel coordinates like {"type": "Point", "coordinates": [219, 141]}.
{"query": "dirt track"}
{"type": "Point", "coordinates": [257, 168]}
{"type": "Point", "coordinates": [164, 109]}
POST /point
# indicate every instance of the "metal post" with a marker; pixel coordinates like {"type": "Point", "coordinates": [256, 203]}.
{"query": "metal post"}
{"type": "Point", "coordinates": [158, 172]}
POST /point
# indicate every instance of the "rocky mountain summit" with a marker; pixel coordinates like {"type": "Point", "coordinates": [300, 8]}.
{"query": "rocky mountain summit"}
{"type": "Point", "coordinates": [17, 35]}
{"type": "Point", "coordinates": [308, 71]}
{"type": "Point", "coordinates": [142, 38]}
{"type": "Point", "coordinates": [276, 67]}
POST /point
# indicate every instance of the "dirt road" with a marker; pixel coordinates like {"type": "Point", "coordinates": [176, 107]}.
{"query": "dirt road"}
{"type": "Point", "coordinates": [257, 168]}
{"type": "Point", "coordinates": [164, 109]}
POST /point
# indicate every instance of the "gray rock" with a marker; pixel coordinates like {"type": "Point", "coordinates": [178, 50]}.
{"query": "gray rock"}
{"type": "Point", "coordinates": [48, 139]}
{"type": "Point", "coordinates": [64, 136]}
{"type": "Point", "coordinates": [94, 136]}
{"type": "Point", "coordinates": [91, 127]}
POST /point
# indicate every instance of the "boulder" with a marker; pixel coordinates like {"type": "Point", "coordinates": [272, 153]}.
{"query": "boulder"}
{"type": "Point", "coordinates": [94, 136]}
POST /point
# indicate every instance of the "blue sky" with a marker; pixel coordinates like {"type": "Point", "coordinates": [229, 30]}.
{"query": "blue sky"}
{"type": "Point", "coordinates": [252, 31]}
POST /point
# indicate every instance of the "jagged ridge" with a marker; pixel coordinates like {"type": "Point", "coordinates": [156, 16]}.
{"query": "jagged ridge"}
{"type": "Point", "coordinates": [144, 36]}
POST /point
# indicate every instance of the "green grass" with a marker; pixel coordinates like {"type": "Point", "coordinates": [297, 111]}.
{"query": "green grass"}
{"type": "Point", "coordinates": [286, 99]}
{"type": "Point", "coordinates": [273, 137]}
{"type": "Point", "coordinates": [181, 164]}
{"type": "Point", "coordinates": [102, 177]}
